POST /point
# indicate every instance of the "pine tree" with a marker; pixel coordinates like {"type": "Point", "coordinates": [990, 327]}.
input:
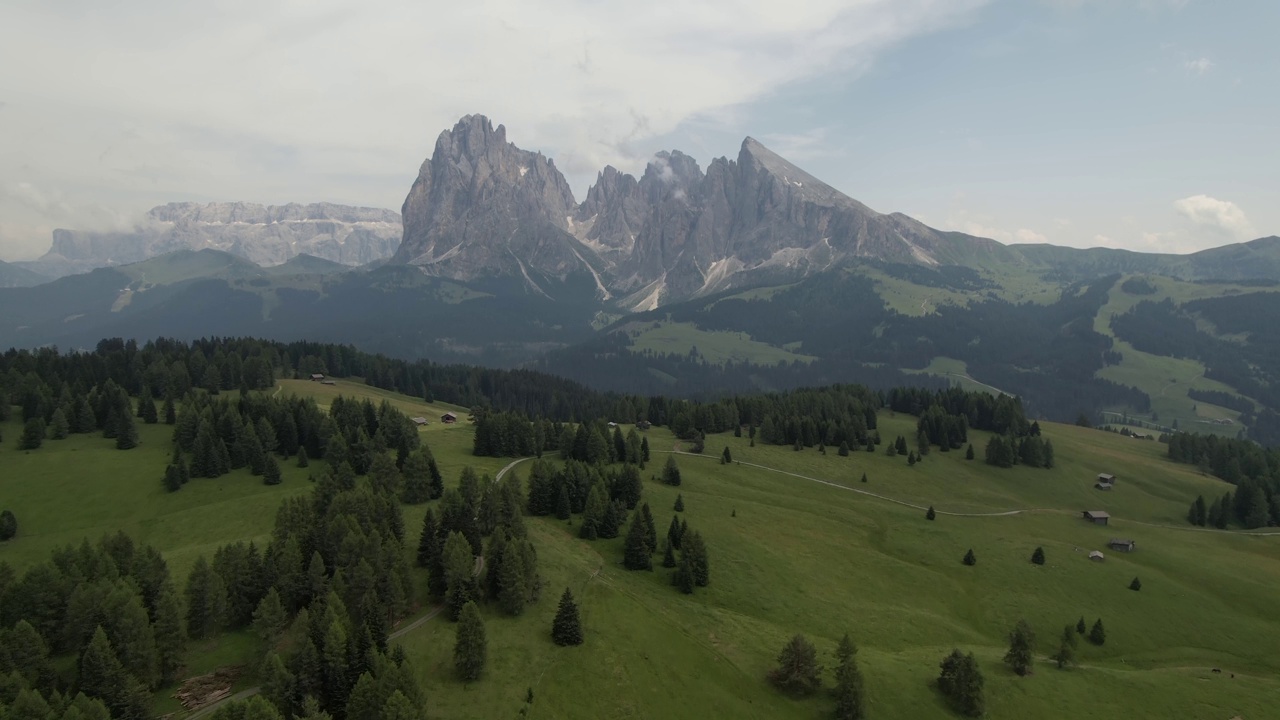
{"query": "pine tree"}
{"type": "Point", "coordinates": [1037, 557]}
{"type": "Point", "coordinates": [270, 471]}
{"type": "Point", "coordinates": [668, 557]}
{"type": "Point", "coordinates": [278, 684]}
{"type": "Point", "coordinates": [609, 522]}
{"type": "Point", "coordinates": [1080, 626]}
{"type": "Point", "coordinates": [513, 592]}
{"type": "Point", "coordinates": [32, 435]}
{"type": "Point", "coordinates": [1021, 653]}
{"type": "Point", "coordinates": [930, 515]}
{"type": "Point", "coordinates": [864, 477]}
{"type": "Point", "coordinates": [471, 647]}
{"type": "Point", "coordinates": [848, 690]}
{"type": "Point", "coordinates": [673, 533]}
{"type": "Point", "coordinates": [303, 460]}
{"type": "Point", "coordinates": [206, 600]}
{"type": "Point", "coordinates": [679, 503]}
{"type": "Point", "coordinates": [961, 683]}
{"type": "Point", "coordinates": [563, 509]}
{"type": "Point", "coordinates": [566, 629]}
{"type": "Point", "coordinates": [798, 672]}
{"type": "Point", "coordinates": [650, 530]}
{"type": "Point", "coordinates": [683, 576]}
{"type": "Point", "coordinates": [696, 550]}
{"type": "Point", "coordinates": [1097, 634]}
{"type": "Point", "coordinates": [28, 654]}
{"type": "Point", "coordinates": [1135, 585]}
{"type": "Point", "coordinates": [969, 558]}
{"type": "Point", "coordinates": [59, 428]}
{"type": "Point", "coordinates": [126, 432]}
{"type": "Point", "coordinates": [172, 479]}
{"type": "Point", "coordinates": [270, 618]}
{"type": "Point", "coordinates": [1066, 654]}
{"type": "Point", "coordinates": [171, 639]}
{"type": "Point", "coordinates": [671, 472]}
{"type": "Point", "coordinates": [726, 458]}
{"type": "Point", "coordinates": [460, 583]}
{"type": "Point", "coordinates": [968, 454]}
{"type": "Point", "coordinates": [102, 676]}
{"type": "Point", "coordinates": [636, 554]}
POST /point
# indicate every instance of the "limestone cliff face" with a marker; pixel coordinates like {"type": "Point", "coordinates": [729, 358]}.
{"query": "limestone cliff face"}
{"type": "Point", "coordinates": [483, 207]}
{"type": "Point", "coordinates": [263, 234]}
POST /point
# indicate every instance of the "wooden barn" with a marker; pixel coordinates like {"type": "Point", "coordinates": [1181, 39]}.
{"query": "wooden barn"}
{"type": "Point", "coordinates": [1097, 517]}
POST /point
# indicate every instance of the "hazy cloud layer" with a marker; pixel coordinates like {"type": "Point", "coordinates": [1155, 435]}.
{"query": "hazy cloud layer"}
{"type": "Point", "coordinates": [112, 107]}
{"type": "Point", "coordinates": [1222, 216]}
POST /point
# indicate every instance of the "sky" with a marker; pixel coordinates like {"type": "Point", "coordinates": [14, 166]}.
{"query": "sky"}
{"type": "Point", "coordinates": [1149, 125]}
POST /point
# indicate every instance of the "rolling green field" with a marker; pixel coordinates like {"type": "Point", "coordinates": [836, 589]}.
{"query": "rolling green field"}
{"type": "Point", "coordinates": [716, 347]}
{"type": "Point", "coordinates": [788, 554]}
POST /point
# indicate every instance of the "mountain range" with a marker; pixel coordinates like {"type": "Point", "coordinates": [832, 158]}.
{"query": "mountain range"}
{"type": "Point", "coordinates": [748, 275]}
{"type": "Point", "coordinates": [263, 234]}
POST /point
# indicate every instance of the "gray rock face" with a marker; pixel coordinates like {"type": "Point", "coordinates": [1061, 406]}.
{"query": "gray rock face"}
{"type": "Point", "coordinates": [483, 207]}
{"type": "Point", "coordinates": [264, 234]}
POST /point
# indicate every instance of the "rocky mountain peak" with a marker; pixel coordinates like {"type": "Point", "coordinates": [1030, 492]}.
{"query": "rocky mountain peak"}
{"type": "Point", "coordinates": [482, 206]}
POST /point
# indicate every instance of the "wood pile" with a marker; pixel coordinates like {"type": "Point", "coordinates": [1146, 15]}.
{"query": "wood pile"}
{"type": "Point", "coordinates": [204, 690]}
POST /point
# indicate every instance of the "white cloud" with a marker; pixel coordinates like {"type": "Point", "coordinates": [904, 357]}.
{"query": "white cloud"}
{"type": "Point", "coordinates": [276, 100]}
{"type": "Point", "coordinates": [1199, 66]}
{"type": "Point", "coordinates": [981, 225]}
{"type": "Point", "coordinates": [1221, 217]}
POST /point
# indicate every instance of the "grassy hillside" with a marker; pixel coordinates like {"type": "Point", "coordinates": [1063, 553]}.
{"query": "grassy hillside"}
{"type": "Point", "coordinates": [788, 554]}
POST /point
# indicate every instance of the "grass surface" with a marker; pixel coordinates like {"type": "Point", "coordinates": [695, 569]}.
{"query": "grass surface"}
{"type": "Point", "coordinates": [787, 555]}
{"type": "Point", "coordinates": [717, 347]}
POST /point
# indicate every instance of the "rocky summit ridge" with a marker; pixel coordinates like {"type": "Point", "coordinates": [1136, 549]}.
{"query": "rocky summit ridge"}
{"type": "Point", "coordinates": [482, 207]}
{"type": "Point", "coordinates": [263, 234]}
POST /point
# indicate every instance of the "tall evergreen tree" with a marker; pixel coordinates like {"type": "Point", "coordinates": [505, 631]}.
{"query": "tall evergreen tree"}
{"type": "Point", "coordinates": [636, 554]}
{"type": "Point", "coordinates": [471, 647]}
{"type": "Point", "coordinates": [962, 684]}
{"type": "Point", "coordinates": [270, 471]}
{"type": "Point", "coordinates": [1037, 557]}
{"type": "Point", "coordinates": [460, 582]}
{"type": "Point", "coordinates": [1097, 633]}
{"type": "Point", "coordinates": [650, 530]}
{"type": "Point", "coordinates": [279, 686]}
{"type": "Point", "coordinates": [563, 509]}
{"type": "Point", "coordinates": [102, 676]}
{"type": "Point", "coordinates": [206, 600]}
{"type": "Point", "coordinates": [798, 672]}
{"type": "Point", "coordinates": [1021, 654]}
{"type": "Point", "coordinates": [566, 629]}
{"type": "Point", "coordinates": [126, 431]}
{"type": "Point", "coordinates": [668, 557]}
{"type": "Point", "coordinates": [696, 550]}
{"type": "Point", "coordinates": [679, 507]}
{"type": "Point", "coordinates": [848, 690]}
{"type": "Point", "coordinates": [1080, 626]}
{"type": "Point", "coordinates": [930, 515]}
{"type": "Point", "coordinates": [1066, 654]}
{"type": "Point", "coordinates": [671, 471]}
{"type": "Point", "coordinates": [970, 558]}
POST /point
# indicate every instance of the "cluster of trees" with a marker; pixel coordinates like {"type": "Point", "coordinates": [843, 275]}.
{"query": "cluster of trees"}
{"type": "Point", "coordinates": [112, 605]}
{"type": "Point", "coordinates": [1254, 471]}
{"type": "Point", "coordinates": [449, 544]}
{"type": "Point", "coordinates": [692, 569]}
{"type": "Point", "coordinates": [799, 674]}
{"type": "Point", "coordinates": [8, 525]}
{"type": "Point", "coordinates": [74, 409]}
{"type": "Point", "coordinates": [565, 491]}
{"type": "Point", "coordinates": [1031, 450]}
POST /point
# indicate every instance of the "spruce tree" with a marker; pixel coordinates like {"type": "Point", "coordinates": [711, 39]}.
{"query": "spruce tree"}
{"type": "Point", "coordinates": [848, 690]}
{"type": "Point", "coordinates": [8, 525]}
{"type": "Point", "coordinates": [679, 507]}
{"type": "Point", "coordinates": [726, 458]}
{"type": "Point", "coordinates": [968, 454]}
{"type": "Point", "coordinates": [563, 509]}
{"type": "Point", "coordinates": [278, 684]}
{"type": "Point", "coordinates": [669, 557]}
{"type": "Point", "coordinates": [172, 479]}
{"type": "Point", "coordinates": [270, 618]}
{"type": "Point", "coordinates": [682, 578]}
{"type": "Point", "coordinates": [969, 558]}
{"type": "Point", "coordinates": [636, 550]}
{"type": "Point", "coordinates": [1021, 654]}
{"type": "Point", "coordinates": [513, 592]}
{"type": "Point", "coordinates": [27, 653]}
{"type": "Point", "coordinates": [59, 428]}
{"type": "Point", "coordinates": [671, 472]}
{"type": "Point", "coordinates": [1097, 634]}
{"type": "Point", "coordinates": [798, 672]}
{"type": "Point", "coordinates": [566, 629]}
{"type": "Point", "coordinates": [1037, 557]}
{"type": "Point", "coordinates": [1080, 626]}
{"type": "Point", "coordinates": [470, 647]}
{"type": "Point", "coordinates": [126, 432]}
{"type": "Point", "coordinates": [1066, 654]}
{"type": "Point", "coordinates": [270, 471]}
{"type": "Point", "coordinates": [32, 435]}
{"type": "Point", "coordinates": [303, 460]}
{"type": "Point", "coordinates": [102, 676]}
{"type": "Point", "coordinates": [460, 583]}
{"type": "Point", "coordinates": [673, 533]}
{"type": "Point", "coordinates": [844, 449]}
{"type": "Point", "coordinates": [962, 684]}
{"type": "Point", "coordinates": [206, 600]}
{"type": "Point", "coordinates": [696, 550]}
{"type": "Point", "coordinates": [1136, 584]}
{"type": "Point", "coordinates": [609, 522]}
{"type": "Point", "coordinates": [930, 514]}
{"type": "Point", "coordinates": [650, 531]}
{"type": "Point", "coordinates": [864, 477]}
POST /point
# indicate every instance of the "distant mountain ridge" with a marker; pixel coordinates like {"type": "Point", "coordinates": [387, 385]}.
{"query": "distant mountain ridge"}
{"type": "Point", "coordinates": [483, 207]}
{"type": "Point", "coordinates": [263, 234]}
